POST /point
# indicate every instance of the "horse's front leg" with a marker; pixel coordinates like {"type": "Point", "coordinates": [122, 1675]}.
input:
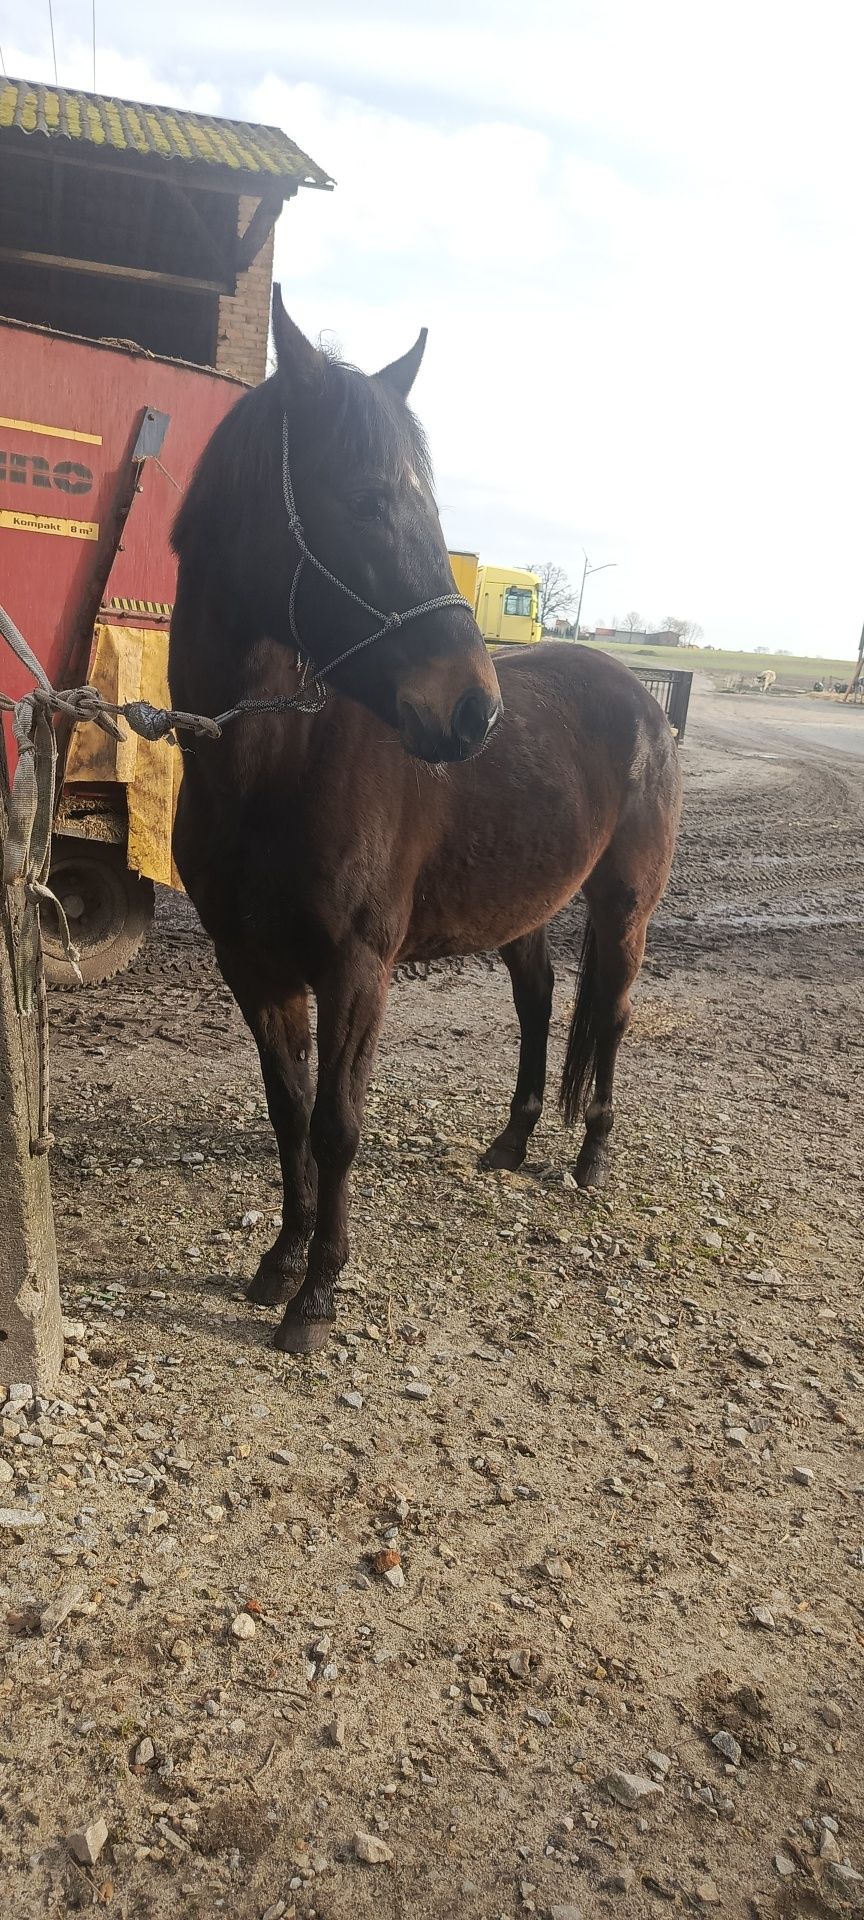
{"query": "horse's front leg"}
{"type": "Point", "coordinates": [281, 1031]}
{"type": "Point", "coordinates": [351, 1001]}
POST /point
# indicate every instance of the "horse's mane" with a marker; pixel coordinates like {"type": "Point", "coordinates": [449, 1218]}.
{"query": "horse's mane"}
{"type": "Point", "coordinates": [355, 426]}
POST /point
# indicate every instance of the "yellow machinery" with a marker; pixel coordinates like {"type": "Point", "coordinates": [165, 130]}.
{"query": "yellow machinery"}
{"type": "Point", "coordinates": [505, 599]}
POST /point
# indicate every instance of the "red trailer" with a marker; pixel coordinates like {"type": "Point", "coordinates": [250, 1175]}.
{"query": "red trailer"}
{"type": "Point", "coordinates": [135, 269]}
{"type": "Point", "coordinates": [102, 441]}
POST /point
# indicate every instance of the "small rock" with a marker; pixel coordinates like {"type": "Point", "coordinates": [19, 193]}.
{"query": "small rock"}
{"type": "Point", "coordinates": [728, 1746]}
{"type": "Point", "coordinates": [754, 1355]}
{"type": "Point", "coordinates": [831, 1718]}
{"type": "Point", "coordinates": [631, 1788]}
{"type": "Point", "coordinates": [803, 1476]}
{"type": "Point", "coordinates": [57, 1611]}
{"type": "Point", "coordinates": [623, 1880]}
{"type": "Point", "coordinates": [829, 1848]}
{"type": "Point", "coordinates": [351, 1399]}
{"type": "Point", "coordinates": [386, 1558]}
{"type": "Point", "coordinates": [712, 1240]}
{"type": "Point", "coordinates": [417, 1390]}
{"type": "Point", "coordinates": [243, 1627]}
{"type": "Point", "coordinates": [145, 1753]}
{"type": "Point", "coordinates": [20, 1393]}
{"type": "Point", "coordinates": [368, 1847]}
{"type": "Point", "coordinates": [763, 1617]}
{"type": "Point", "coordinates": [6, 1473]}
{"type": "Point", "coordinates": [658, 1762]}
{"type": "Point", "coordinates": [785, 1864]}
{"type": "Point", "coordinates": [519, 1663]}
{"type": "Point", "coordinates": [337, 1731]}
{"type": "Point", "coordinates": [395, 1578]}
{"type": "Point", "coordinates": [275, 1911]}
{"type": "Point", "coordinates": [181, 1653]}
{"type": "Point", "coordinates": [845, 1881]}
{"type": "Point", "coordinates": [283, 1457]}
{"type": "Point", "coordinates": [737, 1436]}
{"type": "Point", "coordinates": [21, 1517]}
{"type": "Point", "coordinates": [251, 1218]}
{"type": "Point", "coordinates": [708, 1892]}
{"type": "Point", "coordinates": [567, 1911]}
{"type": "Point", "coordinates": [87, 1842]}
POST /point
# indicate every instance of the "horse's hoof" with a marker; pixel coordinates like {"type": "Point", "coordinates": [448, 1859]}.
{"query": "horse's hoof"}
{"type": "Point", "coordinates": [591, 1170]}
{"type": "Point", "coordinates": [272, 1287]}
{"type": "Point", "coordinates": [502, 1157]}
{"type": "Point", "coordinates": [296, 1335]}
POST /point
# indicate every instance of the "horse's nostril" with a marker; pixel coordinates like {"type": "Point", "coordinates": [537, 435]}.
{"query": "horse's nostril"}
{"type": "Point", "coordinates": [474, 718]}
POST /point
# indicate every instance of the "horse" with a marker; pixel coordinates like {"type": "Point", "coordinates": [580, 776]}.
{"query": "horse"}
{"type": "Point", "coordinates": [391, 795]}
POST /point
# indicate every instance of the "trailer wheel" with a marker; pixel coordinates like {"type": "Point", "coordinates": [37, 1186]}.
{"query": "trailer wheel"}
{"type": "Point", "coordinates": [109, 910]}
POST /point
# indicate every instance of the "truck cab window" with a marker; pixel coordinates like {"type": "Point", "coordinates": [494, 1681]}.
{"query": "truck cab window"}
{"type": "Point", "coordinates": [518, 600]}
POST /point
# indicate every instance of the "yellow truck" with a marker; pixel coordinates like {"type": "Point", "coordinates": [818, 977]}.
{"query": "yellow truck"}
{"type": "Point", "coordinates": [505, 599]}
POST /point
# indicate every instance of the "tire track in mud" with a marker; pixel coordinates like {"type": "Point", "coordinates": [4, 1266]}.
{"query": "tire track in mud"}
{"type": "Point", "coordinates": [770, 869]}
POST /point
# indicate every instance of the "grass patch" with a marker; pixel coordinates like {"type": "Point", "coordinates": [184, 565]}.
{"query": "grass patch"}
{"type": "Point", "coordinates": [792, 670]}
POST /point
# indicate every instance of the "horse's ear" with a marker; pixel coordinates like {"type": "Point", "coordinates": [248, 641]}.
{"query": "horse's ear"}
{"type": "Point", "coordinates": [299, 364]}
{"type": "Point", "coordinates": [401, 374]}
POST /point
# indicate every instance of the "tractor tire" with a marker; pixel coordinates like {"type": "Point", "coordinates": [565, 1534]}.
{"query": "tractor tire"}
{"type": "Point", "coordinates": [109, 910]}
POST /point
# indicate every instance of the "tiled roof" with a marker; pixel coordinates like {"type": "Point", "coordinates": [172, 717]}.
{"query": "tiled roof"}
{"type": "Point", "coordinates": [125, 126]}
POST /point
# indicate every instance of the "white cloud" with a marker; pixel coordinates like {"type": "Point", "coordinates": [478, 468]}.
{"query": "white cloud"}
{"type": "Point", "coordinates": [634, 234]}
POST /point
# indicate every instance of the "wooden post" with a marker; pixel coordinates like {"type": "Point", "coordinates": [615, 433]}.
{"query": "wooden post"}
{"type": "Point", "coordinates": [31, 1335]}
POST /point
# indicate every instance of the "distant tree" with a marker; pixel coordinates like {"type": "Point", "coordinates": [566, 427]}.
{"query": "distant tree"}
{"type": "Point", "coordinates": [687, 630]}
{"type": "Point", "coordinates": [556, 595]}
{"type": "Point", "coordinates": [635, 623]}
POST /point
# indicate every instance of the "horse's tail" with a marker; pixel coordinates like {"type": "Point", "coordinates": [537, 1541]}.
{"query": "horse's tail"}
{"type": "Point", "coordinates": [580, 1059]}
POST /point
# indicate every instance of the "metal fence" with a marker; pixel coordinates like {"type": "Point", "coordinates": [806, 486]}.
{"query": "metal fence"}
{"type": "Point", "coordinates": [671, 687]}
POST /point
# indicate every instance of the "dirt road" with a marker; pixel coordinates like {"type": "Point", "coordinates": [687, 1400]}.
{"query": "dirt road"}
{"type": "Point", "coordinates": [616, 1441]}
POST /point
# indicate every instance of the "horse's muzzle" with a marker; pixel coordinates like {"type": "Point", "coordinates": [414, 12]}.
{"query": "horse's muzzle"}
{"type": "Point", "coordinates": [471, 724]}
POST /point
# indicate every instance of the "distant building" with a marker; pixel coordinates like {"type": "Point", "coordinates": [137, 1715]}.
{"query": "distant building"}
{"type": "Point", "coordinates": [618, 636]}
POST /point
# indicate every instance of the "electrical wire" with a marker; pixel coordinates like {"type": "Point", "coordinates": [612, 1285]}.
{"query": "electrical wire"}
{"type": "Point", "coordinates": [53, 43]}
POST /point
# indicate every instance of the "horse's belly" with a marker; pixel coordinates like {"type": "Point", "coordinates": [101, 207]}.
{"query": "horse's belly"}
{"type": "Point", "coordinates": [473, 919]}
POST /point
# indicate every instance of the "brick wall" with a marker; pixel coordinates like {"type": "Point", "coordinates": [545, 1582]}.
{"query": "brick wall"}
{"type": "Point", "coordinates": [244, 318]}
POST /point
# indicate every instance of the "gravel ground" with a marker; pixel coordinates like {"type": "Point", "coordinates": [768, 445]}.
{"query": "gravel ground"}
{"type": "Point", "coordinates": [543, 1590]}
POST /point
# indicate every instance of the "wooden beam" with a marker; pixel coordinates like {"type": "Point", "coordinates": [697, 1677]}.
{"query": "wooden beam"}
{"type": "Point", "coordinates": [31, 1337]}
{"type": "Point", "coordinates": [258, 231]}
{"type": "Point", "coordinates": [16, 256]}
{"type": "Point", "coordinates": [207, 240]}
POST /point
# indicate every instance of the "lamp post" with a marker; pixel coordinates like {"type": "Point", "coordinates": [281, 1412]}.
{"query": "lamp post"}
{"type": "Point", "coordinates": [586, 570]}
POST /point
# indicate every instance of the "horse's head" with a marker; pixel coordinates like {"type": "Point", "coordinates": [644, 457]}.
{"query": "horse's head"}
{"type": "Point", "coordinates": [361, 480]}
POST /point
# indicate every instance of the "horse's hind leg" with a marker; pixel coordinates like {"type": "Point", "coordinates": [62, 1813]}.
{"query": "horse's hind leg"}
{"type": "Point", "coordinates": [620, 950]}
{"type": "Point", "coordinates": [611, 959]}
{"type": "Point", "coordinates": [282, 1035]}
{"type": "Point", "coordinates": [527, 961]}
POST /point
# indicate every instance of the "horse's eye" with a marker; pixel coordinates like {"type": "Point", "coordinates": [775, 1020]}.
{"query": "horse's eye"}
{"type": "Point", "coordinates": [371, 504]}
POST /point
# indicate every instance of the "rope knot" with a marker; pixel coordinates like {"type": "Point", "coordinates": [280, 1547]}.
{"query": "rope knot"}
{"type": "Point", "coordinates": [151, 723]}
{"type": "Point", "coordinates": [393, 621]}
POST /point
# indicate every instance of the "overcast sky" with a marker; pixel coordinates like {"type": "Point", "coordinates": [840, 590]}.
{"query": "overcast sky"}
{"type": "Point", "coordinates": [634, 232]}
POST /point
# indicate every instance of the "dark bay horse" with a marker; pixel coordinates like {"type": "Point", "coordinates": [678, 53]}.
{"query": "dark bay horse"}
{"type": "Point", "coordinates": [323, 847]}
